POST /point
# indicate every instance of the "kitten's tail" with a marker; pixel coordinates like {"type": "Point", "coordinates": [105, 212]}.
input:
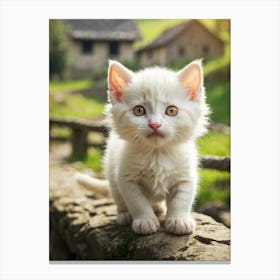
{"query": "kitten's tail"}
{"type": "Point", "coordinates": [95, 185]}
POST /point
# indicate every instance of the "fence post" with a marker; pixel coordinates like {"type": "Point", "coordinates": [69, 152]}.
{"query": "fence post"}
{"type": "Point", "coordinates": [79, 143]}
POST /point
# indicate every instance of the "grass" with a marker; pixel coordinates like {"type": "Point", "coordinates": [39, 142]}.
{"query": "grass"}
{"type": "Point", "coordinates": [214, 186]}
{"type": "Point", "coordinates": [214, 143]}
{"type": "Point", "coordinates": [62, 86]}
{"type": "Point", "coordinates": [218, 98]}
{"type": "Point", "coordinates": [94, 159]}
{"type": "Point", "coordinates": [75, 106]}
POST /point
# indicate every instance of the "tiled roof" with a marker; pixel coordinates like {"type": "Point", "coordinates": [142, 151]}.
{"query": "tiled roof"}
{"type": "Point", "coordinates": [103, 29]}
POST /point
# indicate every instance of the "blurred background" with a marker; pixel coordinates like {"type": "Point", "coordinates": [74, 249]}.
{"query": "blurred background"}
{"type": "Point", "coordinates": [78, 57]}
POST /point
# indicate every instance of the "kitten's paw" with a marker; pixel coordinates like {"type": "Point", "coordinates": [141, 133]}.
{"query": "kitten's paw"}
{"type": "Point", "coordinates": [123, 218]}
{"type": "Point", "coordinates": [145, 225]}
{"type": "Point", "coordinates": [180, 225]}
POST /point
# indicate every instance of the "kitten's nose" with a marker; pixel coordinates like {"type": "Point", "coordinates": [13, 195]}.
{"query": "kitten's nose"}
{"type": "Point", "coordinates": [154, 126]}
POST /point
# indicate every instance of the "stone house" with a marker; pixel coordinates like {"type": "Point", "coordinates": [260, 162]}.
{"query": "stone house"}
{"type": "Point", "coordinates": [188, 40]}
{"type": "Point", "coordinates": [94, 41]}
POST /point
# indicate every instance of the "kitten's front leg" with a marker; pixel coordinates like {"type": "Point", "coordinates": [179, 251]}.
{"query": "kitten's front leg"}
{"type": "Point", "coordinates": [144, 218]}
{"type": "Point", "coordinates": [123, 217]}
{"type": "Point", "coordinates": [179, 203]}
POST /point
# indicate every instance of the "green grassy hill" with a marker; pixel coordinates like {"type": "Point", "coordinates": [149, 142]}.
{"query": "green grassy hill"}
{"type": "Point", "coordinates": [152, 28]}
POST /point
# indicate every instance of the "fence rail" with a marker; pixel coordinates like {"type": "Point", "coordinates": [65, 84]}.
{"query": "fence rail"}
{"type": "Point", "coordinates": [80, 143]}
{"type": "Point", "coordinates": [215, 162]}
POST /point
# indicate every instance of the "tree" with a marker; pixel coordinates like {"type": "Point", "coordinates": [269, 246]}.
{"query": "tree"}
{"type": "Point", "coordinates": [59, 48]}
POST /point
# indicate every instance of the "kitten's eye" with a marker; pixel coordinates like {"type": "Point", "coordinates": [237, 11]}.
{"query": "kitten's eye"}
{"type": "Point", "coordinates": [171, 111]}
{"type": "Point", "coordinates": [139, 110]}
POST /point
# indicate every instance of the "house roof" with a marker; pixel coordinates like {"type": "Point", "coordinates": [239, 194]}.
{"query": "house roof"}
{"type": "Point", "coordinates": [103, 29]}
{"type": "Point", "coordinates": [171, 33]}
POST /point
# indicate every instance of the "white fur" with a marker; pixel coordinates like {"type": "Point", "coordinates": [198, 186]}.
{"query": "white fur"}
{"type": "Point", "coordinates": [142, 170]}
{"type": "Point", "coordinates": [93, 184]}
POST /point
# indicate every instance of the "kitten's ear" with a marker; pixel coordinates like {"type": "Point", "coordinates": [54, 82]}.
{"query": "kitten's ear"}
{"type": "Point", "coordinates": [191, 78]}
{"type": "Point", "coordinates": [118, 77]}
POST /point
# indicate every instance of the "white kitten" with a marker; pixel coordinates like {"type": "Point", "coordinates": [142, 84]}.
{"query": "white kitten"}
{"type": "Point", "coordinates": [151, 158]}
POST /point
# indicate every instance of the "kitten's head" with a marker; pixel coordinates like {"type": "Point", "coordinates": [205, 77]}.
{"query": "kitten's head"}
{"type": "Point", "coordinates": [157, 106]}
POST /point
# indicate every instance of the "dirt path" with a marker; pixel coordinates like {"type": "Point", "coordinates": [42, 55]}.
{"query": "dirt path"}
{"type": "Point", "coordinates": [61, 171]}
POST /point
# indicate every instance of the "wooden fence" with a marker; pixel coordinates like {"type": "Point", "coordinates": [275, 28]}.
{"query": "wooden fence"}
{"type": "Point", "coordinates": [79, 139]}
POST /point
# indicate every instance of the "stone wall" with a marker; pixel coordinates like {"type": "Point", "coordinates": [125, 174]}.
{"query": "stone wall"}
{"type": "Point", "coordinates": [82, 227]}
